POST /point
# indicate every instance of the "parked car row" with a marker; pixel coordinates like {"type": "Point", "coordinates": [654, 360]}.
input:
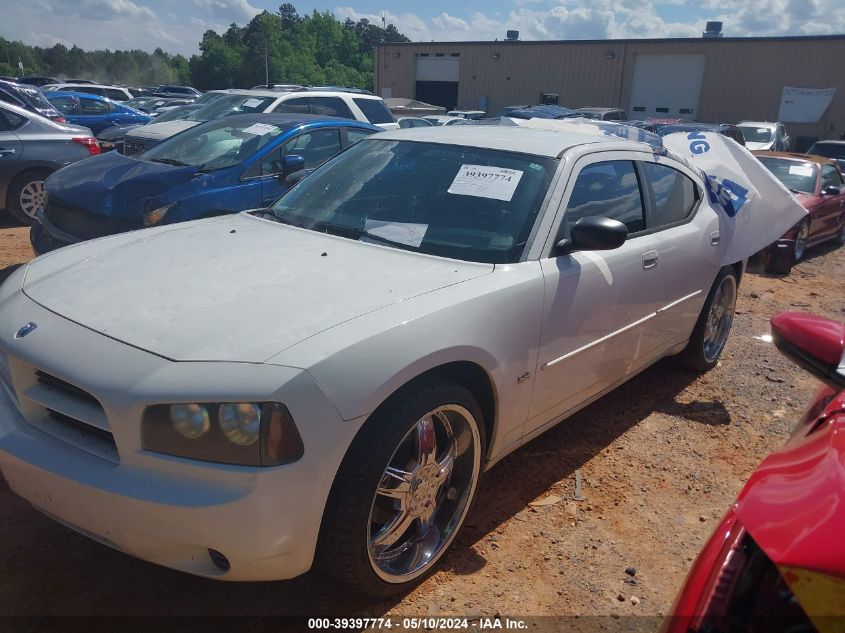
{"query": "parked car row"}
{"type": "Point", "coordinates": [377, 243]}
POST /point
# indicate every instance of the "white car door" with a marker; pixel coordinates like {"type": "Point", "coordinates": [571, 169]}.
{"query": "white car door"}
{"type": "Point", "coordinates": [684, 238]}
{"type": "Point", "coordinates": [595, 314]}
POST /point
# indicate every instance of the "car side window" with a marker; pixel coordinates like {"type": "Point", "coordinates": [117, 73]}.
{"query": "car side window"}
{"type": "Point", "coordinates": [10, 121]}
{"type": "Point", "coordinates": [91, 91]}
{"type": "Point", "coordinates": [354, 135]}
{"type": "Point", "coordinates": [316, 147]}
{"type": "Point", "coordinates": [93, 106]}
{"type": "Point", "coordinates": [609, 189]}
{"type": "Point", "coordinates": [831, 176]}
{"type": "Point", "coordinates": [117, 95]}
{"type": "Point", "coordinates": [65, 105]}
{"type": "Point", "coordinates": [330, 106]}
{"type": "Point", "coordinates": [297, 105]}
{"type": "Point", "coordinates": [675, 195]}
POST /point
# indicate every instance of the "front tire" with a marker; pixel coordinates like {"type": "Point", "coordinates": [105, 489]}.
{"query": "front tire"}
{"type": "Point", "coordinates": [714, 323]}
{"type": "Point", "coordinates": [404, 489]}
{"type": "Point", "coordinates": [26, 196]}
{"type": "Point", "coordinates": [801, 239]}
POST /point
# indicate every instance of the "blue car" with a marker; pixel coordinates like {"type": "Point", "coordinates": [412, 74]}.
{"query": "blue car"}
{"type": "Point", "coordinates": [223, 166]}
{"type": "Point", "coordinates": [94, 112]}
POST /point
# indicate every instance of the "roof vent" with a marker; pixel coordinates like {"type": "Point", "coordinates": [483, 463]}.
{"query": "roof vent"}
{"type": "Point", "coordinates": [512, 36]}
{"type": "Point", "coordinates": [713, 29]}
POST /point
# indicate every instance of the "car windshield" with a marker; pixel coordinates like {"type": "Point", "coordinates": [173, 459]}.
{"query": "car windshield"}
{"type": "Point", "coordinates": [798, 175]}
{"type": "Point", "coordinates": [176, 114]}
{"type": "Point", "coordinates": [754, 134]}
{"type": "Point", "coordinates": [465, 203]}
{"type": "Point", "coordinates": [231, 104]}
{"type": "Point", "coordinates": [829, 150]}
{"type": "Point", "coordinates": [217, 145]}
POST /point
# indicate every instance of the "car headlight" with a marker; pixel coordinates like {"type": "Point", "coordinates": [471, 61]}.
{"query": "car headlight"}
{"type": "Point", "coordinates": [245, 433]}
{"type": "Point", "coordinates": [151, 218]}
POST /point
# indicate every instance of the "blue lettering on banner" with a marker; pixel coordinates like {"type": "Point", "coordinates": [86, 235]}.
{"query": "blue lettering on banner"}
{"type": "Point", "coordinates": [699, 145]}
{"type": "Point", "coordinates": [731, 196]}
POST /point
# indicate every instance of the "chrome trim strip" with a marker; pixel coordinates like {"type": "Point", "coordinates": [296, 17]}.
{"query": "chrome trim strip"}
{"type": "Point", "coordinates": [606, 337]}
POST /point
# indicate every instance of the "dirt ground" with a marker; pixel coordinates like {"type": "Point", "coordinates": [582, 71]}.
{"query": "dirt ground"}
{"type": "Point", "coordinates": [660, 460]}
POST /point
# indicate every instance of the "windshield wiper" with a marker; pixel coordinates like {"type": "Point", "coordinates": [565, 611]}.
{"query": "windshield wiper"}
{"type": "Point", "coordinates": [385, 240]}
{"type": "Point", "coordinates": [169, 161]}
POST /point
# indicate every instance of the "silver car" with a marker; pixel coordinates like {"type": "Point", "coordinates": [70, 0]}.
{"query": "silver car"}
{"type": "Point", "coordinates": [327, 380]}
{"type": "Point", "coordinates": [31, 148]}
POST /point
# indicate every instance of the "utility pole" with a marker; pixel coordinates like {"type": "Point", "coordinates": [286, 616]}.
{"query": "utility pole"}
{"type": "Point", "coordinates": [266, 67]}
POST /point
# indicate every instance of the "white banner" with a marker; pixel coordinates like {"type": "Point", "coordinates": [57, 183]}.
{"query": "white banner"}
{"type": "Point", "coordinates": [804, 105]}
{"type": "Point", "coordinates": [758, 208]}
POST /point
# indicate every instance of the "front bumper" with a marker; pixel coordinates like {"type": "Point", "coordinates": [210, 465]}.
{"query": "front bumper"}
{"type": "Point", "coordinates": [44, 240]}
{"type": "Point", "coordinates": [166, 510]}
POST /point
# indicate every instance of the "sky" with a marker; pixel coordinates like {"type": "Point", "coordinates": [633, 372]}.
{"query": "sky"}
{"type": "Point", "coordinates": [177, 25]}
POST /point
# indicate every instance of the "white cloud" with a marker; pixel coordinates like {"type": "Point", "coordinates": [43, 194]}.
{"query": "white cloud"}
{"type": "Point", "coordinates": [239, 11]}
{"type": "Point", "coordinates": [107, 9]}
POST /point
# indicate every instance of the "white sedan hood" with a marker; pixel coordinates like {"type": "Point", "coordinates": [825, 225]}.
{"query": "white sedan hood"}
{"type": "Point", "coordinates": [235, 288]}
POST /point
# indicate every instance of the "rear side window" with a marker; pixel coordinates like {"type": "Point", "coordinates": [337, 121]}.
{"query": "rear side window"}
{"type": "Point", "coordinates": [330, 106]}
{"type": "Point", "coordinates": [117, 95]}
{"type": "Point", "coordinates": [93, 106]}
{"type": "Point", "coordinates": [608, 189]}
{"type": "Point", "coordinates": [674, 195]}
{"type": "Point", "coordinates": [353, 135]}
{"type": "Point", "coordinates": [5, 96]}
{"type": "Point", "coordinates": [374, 110]}
{"type": "Point", "coordinates": [10, 121]}
{"type": "Point", "coordinates": [90, 91]}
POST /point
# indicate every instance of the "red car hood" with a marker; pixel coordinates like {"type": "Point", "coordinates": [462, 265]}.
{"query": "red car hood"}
{"type": "Point", "coordinates": [794, 504]}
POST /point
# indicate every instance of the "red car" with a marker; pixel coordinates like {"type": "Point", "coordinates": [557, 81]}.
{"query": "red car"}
{"type": "Point", "coordinates": [777, 560]}
{"type": "Point", "coordinates": [818, 184]}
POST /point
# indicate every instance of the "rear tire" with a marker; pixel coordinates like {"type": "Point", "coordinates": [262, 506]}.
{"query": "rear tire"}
{"type": "Point", "coordinates": [383, 533]}
{"type": "Point", "coordinates": [26, 195]}
{"type": "Point", "coordinates": [714, 323]}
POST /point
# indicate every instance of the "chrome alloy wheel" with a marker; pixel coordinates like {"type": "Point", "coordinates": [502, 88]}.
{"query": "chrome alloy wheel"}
{"type": "Point", "coordinates": [32, 197]}
{"type": "Point", "coordinates": [801, 240]}
{"type": "Point", "coordinates": [719, 318]}
{"type": "Point", "coordinates": [424, 493]}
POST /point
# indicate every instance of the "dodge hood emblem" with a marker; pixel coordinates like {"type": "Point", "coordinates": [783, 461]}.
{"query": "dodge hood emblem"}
{"type": "Point", "coordinates": [26, 329]}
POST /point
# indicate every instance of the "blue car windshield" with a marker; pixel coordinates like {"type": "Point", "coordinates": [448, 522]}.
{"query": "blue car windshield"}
{"type": "Point", "coordinates": [215, 145]}
{"type": "Point", "coordinates": [467, 203]}
{"type": "Point", "coordinates": [231, 104]}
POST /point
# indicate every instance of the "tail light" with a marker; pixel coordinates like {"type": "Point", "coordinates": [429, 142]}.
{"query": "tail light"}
{"type": "Point", "coordinates": [89, 142]}
{"type": "Point", "coordinates": [59, 119]}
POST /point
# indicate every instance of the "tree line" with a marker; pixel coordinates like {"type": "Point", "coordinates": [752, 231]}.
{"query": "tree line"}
{"type": "Point", "coordinates": [315, 49]}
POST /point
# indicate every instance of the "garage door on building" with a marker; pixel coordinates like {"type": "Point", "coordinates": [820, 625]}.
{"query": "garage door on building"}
{"type": "Point", "coordinates": [666, 86]}
{"type": "Point", "coordinates": [437, 79]}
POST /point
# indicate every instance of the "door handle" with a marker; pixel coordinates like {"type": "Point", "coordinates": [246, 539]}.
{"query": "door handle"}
{"type": "Point", "coordinates": [714, 238]}
{"type": "Point", "coordinates": [650, 259]}
{"type": "Point", "coordinates": [6, 152]}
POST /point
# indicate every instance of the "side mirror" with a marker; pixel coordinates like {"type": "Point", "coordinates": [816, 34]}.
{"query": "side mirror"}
{"type": "Point", "coordinates": [831, 190]}
{"type": "Point", "coordinates": [593, 234]}
{"type": "Point", "coordinates": [292, 164]}
{"type": "Point", "coordinates": [813, 343]}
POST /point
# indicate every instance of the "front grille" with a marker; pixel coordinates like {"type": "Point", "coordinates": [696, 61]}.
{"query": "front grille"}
{"type": "Point", "coordinates": [68, 413]}
{"type": "Point", "coordinates": [47, 379]}
{"type": "Point", "coordinates": [85, 224]}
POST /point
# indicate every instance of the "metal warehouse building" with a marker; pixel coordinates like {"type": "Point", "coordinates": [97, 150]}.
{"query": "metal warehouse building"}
{"type": "Point", "coordinates": [714, 80]}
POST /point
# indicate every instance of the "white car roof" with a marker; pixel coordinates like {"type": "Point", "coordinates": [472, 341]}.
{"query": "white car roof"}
{"type": "Point", "coordinates": [757, 123]}
{"type": "Point", "coordinates": [63, 83]}
{"type": "Point", "coordinates": [535, 141]}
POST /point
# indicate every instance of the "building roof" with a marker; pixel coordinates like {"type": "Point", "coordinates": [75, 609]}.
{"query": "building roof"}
{"type": "Point", "coordinates": [540, 142]}
{"type": "Point", "coordinates": [705, 40]}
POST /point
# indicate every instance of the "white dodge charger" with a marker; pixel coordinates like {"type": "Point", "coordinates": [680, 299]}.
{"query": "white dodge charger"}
{"type": "Point", "coordinates": [327, 380]}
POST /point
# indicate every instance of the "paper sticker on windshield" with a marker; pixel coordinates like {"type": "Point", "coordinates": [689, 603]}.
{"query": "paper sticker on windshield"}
{"type": "Point", "coordinates": [259, 129]}
{"type": "Point", "coordinates": [402, 232]}
{"type": "Point", "coordinates": [483, 181]}
{"type": "Point", "coordinates": [251, 103]}
{"type": "Point", "coordinates": [801, 170]}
